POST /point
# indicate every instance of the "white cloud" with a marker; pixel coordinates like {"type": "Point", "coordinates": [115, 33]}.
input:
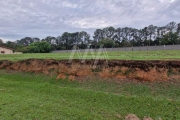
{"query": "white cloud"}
{"type": "Point", "coordinates": [68, 4]}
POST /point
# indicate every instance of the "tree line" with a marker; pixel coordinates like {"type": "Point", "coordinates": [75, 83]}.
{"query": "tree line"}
{"type": "Point", "coordinates": [109, 36]}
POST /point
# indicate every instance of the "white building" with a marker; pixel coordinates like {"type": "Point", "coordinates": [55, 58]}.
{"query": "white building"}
{"type": "Point", "coordinates": [6, 50]}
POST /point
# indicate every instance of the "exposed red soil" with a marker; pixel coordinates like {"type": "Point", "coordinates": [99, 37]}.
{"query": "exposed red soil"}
{"type": "Point", "coordinates": [118, 69]}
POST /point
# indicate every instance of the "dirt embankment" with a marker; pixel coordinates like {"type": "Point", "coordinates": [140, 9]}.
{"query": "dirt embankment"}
{"type": "Point", "coordinates": [119, 69]}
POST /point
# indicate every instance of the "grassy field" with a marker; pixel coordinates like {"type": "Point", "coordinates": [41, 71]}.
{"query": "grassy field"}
{"type": "Point", "coordinates": [132, 55]}
{"type": "Point", "coordinates": [38, 97]}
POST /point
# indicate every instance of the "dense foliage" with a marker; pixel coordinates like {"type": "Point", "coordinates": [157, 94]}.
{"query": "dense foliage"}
{"type": "Point", "coordinates": [36, 47]}
{"type": "Point", "coordinates": [109, 36]}
{"type": "Point", "coordinates": [108, 43]}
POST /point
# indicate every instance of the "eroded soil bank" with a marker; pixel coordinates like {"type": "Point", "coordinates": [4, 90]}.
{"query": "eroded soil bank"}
{"type": "Point", "coordinates": [119, 69]}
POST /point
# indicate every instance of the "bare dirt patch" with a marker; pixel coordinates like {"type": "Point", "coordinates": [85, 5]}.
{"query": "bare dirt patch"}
{"type": "Point", "coordinates": [131, 117]}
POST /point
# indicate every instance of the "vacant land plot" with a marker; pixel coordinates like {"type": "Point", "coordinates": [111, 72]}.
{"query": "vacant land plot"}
{"type": "Point", "coordinates": [132, 55]}
{"type": "Point", "coordinates": [36, 96]}
{"type": "Point", "coordinates": [30, 96]}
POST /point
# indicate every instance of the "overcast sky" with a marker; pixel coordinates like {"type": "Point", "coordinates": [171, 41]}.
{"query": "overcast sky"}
{"type": "Point", "coordinates": [41, 18]}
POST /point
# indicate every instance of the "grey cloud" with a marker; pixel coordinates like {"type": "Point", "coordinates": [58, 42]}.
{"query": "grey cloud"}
{"type": "Point", "coordinates": [40, 18]}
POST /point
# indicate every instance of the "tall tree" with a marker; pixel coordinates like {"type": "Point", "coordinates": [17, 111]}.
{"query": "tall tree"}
{"type": "Point", "coordinates": [134, 33]}
{"type": "Point", "coordinates": [118, 36]}
{"type": "Point", "coordinates": [50, 39]}
{"type": "Point", "coordinates": [74, 38]}
{"type": "Point", "coordinates": [145, 33]}
{"type": "Point", "coordinates": [163, 30]}
{"type": "Point", "coordinates": [171, 26]}
{"type": "Point", "coordinates": [109, 32]}
{"type": "Point", "coordinates": [126, 33]}
{"type": "Point", "coordinates": [36, 39]}
{"type": "Point", "coordinates": [140, 37]}
{"type": "Point", "coordinates": [84, 38]}
{"type": "Point", "coordinates": [178, 29]}
{"type": "Point", "coordinates": [25, 41]}
{"type": "Point", "coordinates": [98, 35]}
{"type": "Point", "coordinates": [65, 39]}
{"type": "Point", "coordinates": [151, 31]}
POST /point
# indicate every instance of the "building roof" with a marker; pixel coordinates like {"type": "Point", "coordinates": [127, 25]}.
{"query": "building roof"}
{"type": "Point", "coordinates": [6, 47]}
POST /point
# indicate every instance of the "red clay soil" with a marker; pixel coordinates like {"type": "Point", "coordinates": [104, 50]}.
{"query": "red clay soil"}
{"type": "Point", "coordinates": [119, 69]}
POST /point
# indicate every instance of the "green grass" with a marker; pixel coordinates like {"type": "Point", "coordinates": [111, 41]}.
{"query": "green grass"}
{"type": "Point", "coordinates": [123, 55]}
{"type": "Point", "coordinates": [30, 96]}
